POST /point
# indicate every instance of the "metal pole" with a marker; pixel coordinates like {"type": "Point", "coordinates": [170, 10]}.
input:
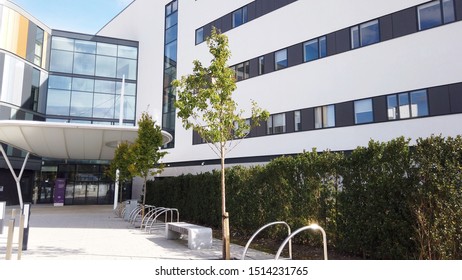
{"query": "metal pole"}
{"type": "Point", "coordinates": [121, 107]}
{"type": "Point", "coordinates": [26, 213]}
{"type": "Point", "coordinates": [21, 235]}
{"type": "Point", "coordinates": [116, 189]}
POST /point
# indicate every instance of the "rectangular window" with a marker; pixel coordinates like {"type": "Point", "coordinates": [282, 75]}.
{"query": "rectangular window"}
{"type": "Point", "coordinates": [324, 116]}
{"type": "Point", "coordinates": [365, 34]}
{"type": "Point", "coordinates": [419, 103]}
{"type": "Point", "coordinates": [35, 89]}
{"type": "Point", "coordinates": [407, 105]}
{"type": "Point", "coordinates": [240, 17]}
{"type": "Point", "coordinates": [392, 107]}
{"type": "Point", "coordinates": [200, 35]}
{"type": "Point", "coordinates": [314, 49]}
{"type": "Point", "coordinates": [403, 100]}
{"type": "Point", "coordinates": [363, 111]}
{"type": "Point", "coordinates": [298, 121]}
{"type": "Point", "coordinates": [242, 71]}
{"type": "Point", "coordinates": [280, 59]}
{"type": "Point", "coordinates": [276, 124]}
{"type": "Point", "coordinates": [261, 65]}
{"type": "Point", "coordinates": [435, 13]}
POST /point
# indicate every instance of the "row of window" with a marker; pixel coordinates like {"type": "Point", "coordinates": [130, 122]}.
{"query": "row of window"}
{"type": "Point", "coordinates": [435, 101]}
{"type": "Point", "coordinates": [93, 58]}
{"type": "Point", "coordinates": [240, 16]}
{"type": "Point", "coordinates": [428, 15]}
{"type": "Point", "coordinates": [79, 97]}
{"type": "Point", "coordinates": [399, 106]}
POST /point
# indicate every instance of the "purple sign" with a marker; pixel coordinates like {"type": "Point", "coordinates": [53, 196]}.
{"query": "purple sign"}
{"type": "Point", "coordinates": [59, 192]}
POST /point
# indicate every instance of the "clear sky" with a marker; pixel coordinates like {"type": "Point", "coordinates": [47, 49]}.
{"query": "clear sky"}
{"type": "Point", "coordinates": [84, 16]}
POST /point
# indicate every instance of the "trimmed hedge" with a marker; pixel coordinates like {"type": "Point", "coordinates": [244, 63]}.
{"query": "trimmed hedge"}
{"type": "Point", "coordinates": [384, 201]}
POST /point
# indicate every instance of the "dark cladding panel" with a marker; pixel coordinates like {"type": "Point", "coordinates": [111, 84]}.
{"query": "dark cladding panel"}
{"type": "Point", "coordinates": [226, 23]}
{"type": "Point", "coordinates": [207, 31]}
{"type": "Point", "coordinates": [269, 63]}
{"type": "Point", "coordinates": [438, 101]}
{"type": "Point", "coordinates": [342, 41]}
{"type": "Point", "coordinates": [455, 95]}
{"type": "Point", "coordinates": [307, 118]}
{"type": "Point", "coordinates": [290, 121]}
{"type": "Point", "coordinates": [253, 65]}
{"type": "Point", "coordinates": [217, 24]}
{"type": "Point", "coordinates": [26, 86]}
{"type": "Point", "coordinates": [330, 40]}
{"type": "Point", "coordinates": [458, 7]}
{"type": "Point", "coordinates": [386, 28]}
{"type": "Point", "coordinates": [196, 138]}
{"type": "Point", "coordinates": [380, 109]}
{"type": "Point", "coordinates": [259, 130]}
{"type": "Point", "coordinates": [251, 11]}
{"type": "Point", "coordinates": [404, 22]}
{"type": "Point", "coordinates": [344, 114]}
{"type": "Point", "coordinates": [295, 55]}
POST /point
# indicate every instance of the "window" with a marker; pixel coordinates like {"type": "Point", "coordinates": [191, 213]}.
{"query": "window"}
{"type": "Point", "coordinates": [38, 46]}
{"type": "Point", "coordinates": [314, 49]}
{"type": "Point", "coordinates": [242, 71]}
{"type": "Point", "coordinates": [240, 17]}
{"type": "Point", "coordinates": [435, 13]}
{"type": "Point", "coordinates": [276, 124]}
{"type": "Point", "coordinates": [324, 116]}
{"type": "Point", "coordinates": [363, 111]}
{"type": "Point", "coordinates": [35, 89]}
{"type": "Point", "coordinates": [407, 105]}
{"type": "Point", "coordinates": [298, 121]}
{"type": "Point", "coordinates": [199, 35]}
{"type": "Point", "coordinates": [261, 65]}
{"type": "Point", "coordinates": [280, 59]}
{"type": "Point", "coordinates": [365, 34]}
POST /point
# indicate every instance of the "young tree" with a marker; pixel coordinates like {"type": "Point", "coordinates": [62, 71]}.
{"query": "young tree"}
{"type": "Point", "coordinates": [205, 104]}
{"type": "Point", "coordinates": [121, 162]}
{"type": "Point", "coordinates": [145, 153]}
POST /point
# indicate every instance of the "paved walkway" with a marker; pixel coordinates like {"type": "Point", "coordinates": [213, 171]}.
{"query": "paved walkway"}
{"type": "Point", "coordinates": [95, 232]}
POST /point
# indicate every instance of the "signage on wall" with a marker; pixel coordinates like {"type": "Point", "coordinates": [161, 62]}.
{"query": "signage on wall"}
{"type": "Point", "coordinates": [59, 192]}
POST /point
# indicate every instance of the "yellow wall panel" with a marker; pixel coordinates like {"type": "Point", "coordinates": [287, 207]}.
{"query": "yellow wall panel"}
{"type": "Point", "coordinates": [22, 36]}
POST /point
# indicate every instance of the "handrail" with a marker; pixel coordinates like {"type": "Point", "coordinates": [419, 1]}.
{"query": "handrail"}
{"type": "Point", "coordinates": [262, 228]}
{"type": "Point", "coordinates": [313, 227]}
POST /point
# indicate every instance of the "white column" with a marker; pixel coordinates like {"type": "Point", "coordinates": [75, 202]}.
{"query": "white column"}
{"type": "Point", "coordinates": [16, 178]}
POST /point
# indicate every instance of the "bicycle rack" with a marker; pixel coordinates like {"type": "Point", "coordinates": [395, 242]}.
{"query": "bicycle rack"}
{"type": "Point", "coordinates": [261, 229]}
{"type": "Point", "coordinates": [160, 224]}
{"type": "Point", "coordinates": [313, 227]}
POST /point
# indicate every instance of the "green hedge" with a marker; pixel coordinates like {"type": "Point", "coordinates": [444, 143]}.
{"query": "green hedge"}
{"type": "Point", "coordinates": [384, 201]}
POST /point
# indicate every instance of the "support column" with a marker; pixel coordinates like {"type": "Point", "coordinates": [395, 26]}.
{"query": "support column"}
{"type": "Point", "coordinates": [16, 178]}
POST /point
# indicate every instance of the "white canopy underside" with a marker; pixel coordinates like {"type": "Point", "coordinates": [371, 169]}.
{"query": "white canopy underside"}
{"type": "Point", "coordinates": [68, 140]}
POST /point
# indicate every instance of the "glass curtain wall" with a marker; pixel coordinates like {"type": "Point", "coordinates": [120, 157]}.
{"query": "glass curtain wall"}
{"type": "Point", "coordinates": [85, 81]}
{"type": "Point", "coordinates": [170, 72]}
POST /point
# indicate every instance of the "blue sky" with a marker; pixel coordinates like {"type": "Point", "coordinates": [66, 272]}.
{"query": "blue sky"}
{"type": "Point", "coordinates": [85, 16]}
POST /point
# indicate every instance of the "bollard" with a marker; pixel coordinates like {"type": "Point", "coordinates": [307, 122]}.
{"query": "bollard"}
{"type": "Point", "coordinates": [21, 235]}
{"type": "Point", "coordinates": [2, 214]}
{"type": "Point", "coordinates": [25, 231]}
{"type": "Point", "coordinates": [9, 242]}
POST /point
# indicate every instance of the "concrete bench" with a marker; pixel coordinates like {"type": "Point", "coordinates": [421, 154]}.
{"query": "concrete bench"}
{"type": "Point", "coordinates": [198, 237]}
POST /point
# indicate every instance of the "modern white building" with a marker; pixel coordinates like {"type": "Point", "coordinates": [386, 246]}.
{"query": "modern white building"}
{"type": "Point", "coordinates": [333, 74]}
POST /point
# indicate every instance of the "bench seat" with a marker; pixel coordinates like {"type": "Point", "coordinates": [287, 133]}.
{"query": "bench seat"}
{"type": "Point", "coordinates": [199, 237]}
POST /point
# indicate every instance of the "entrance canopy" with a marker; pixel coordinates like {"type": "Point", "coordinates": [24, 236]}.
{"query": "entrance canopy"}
{"type": "Point", "coordinates": [68, 140]}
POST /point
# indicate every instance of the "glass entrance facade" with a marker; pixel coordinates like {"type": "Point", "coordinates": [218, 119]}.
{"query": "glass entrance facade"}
{"type": "Point", "coordinates": [85, 184]}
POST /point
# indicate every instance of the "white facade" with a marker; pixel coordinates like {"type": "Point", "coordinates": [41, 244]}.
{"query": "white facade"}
{"type": "Point", "coordinates": [421, 60]}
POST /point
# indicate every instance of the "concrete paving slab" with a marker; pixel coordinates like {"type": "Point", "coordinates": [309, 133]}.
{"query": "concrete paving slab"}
{"type": "Point", "coordinates": [94, 232]}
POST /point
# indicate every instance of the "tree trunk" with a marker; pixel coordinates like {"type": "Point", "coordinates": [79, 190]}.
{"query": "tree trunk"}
{"type": "Point", "coordinates": [225, 215]}
{"type": "Point", "coordinates": [144, 197]}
